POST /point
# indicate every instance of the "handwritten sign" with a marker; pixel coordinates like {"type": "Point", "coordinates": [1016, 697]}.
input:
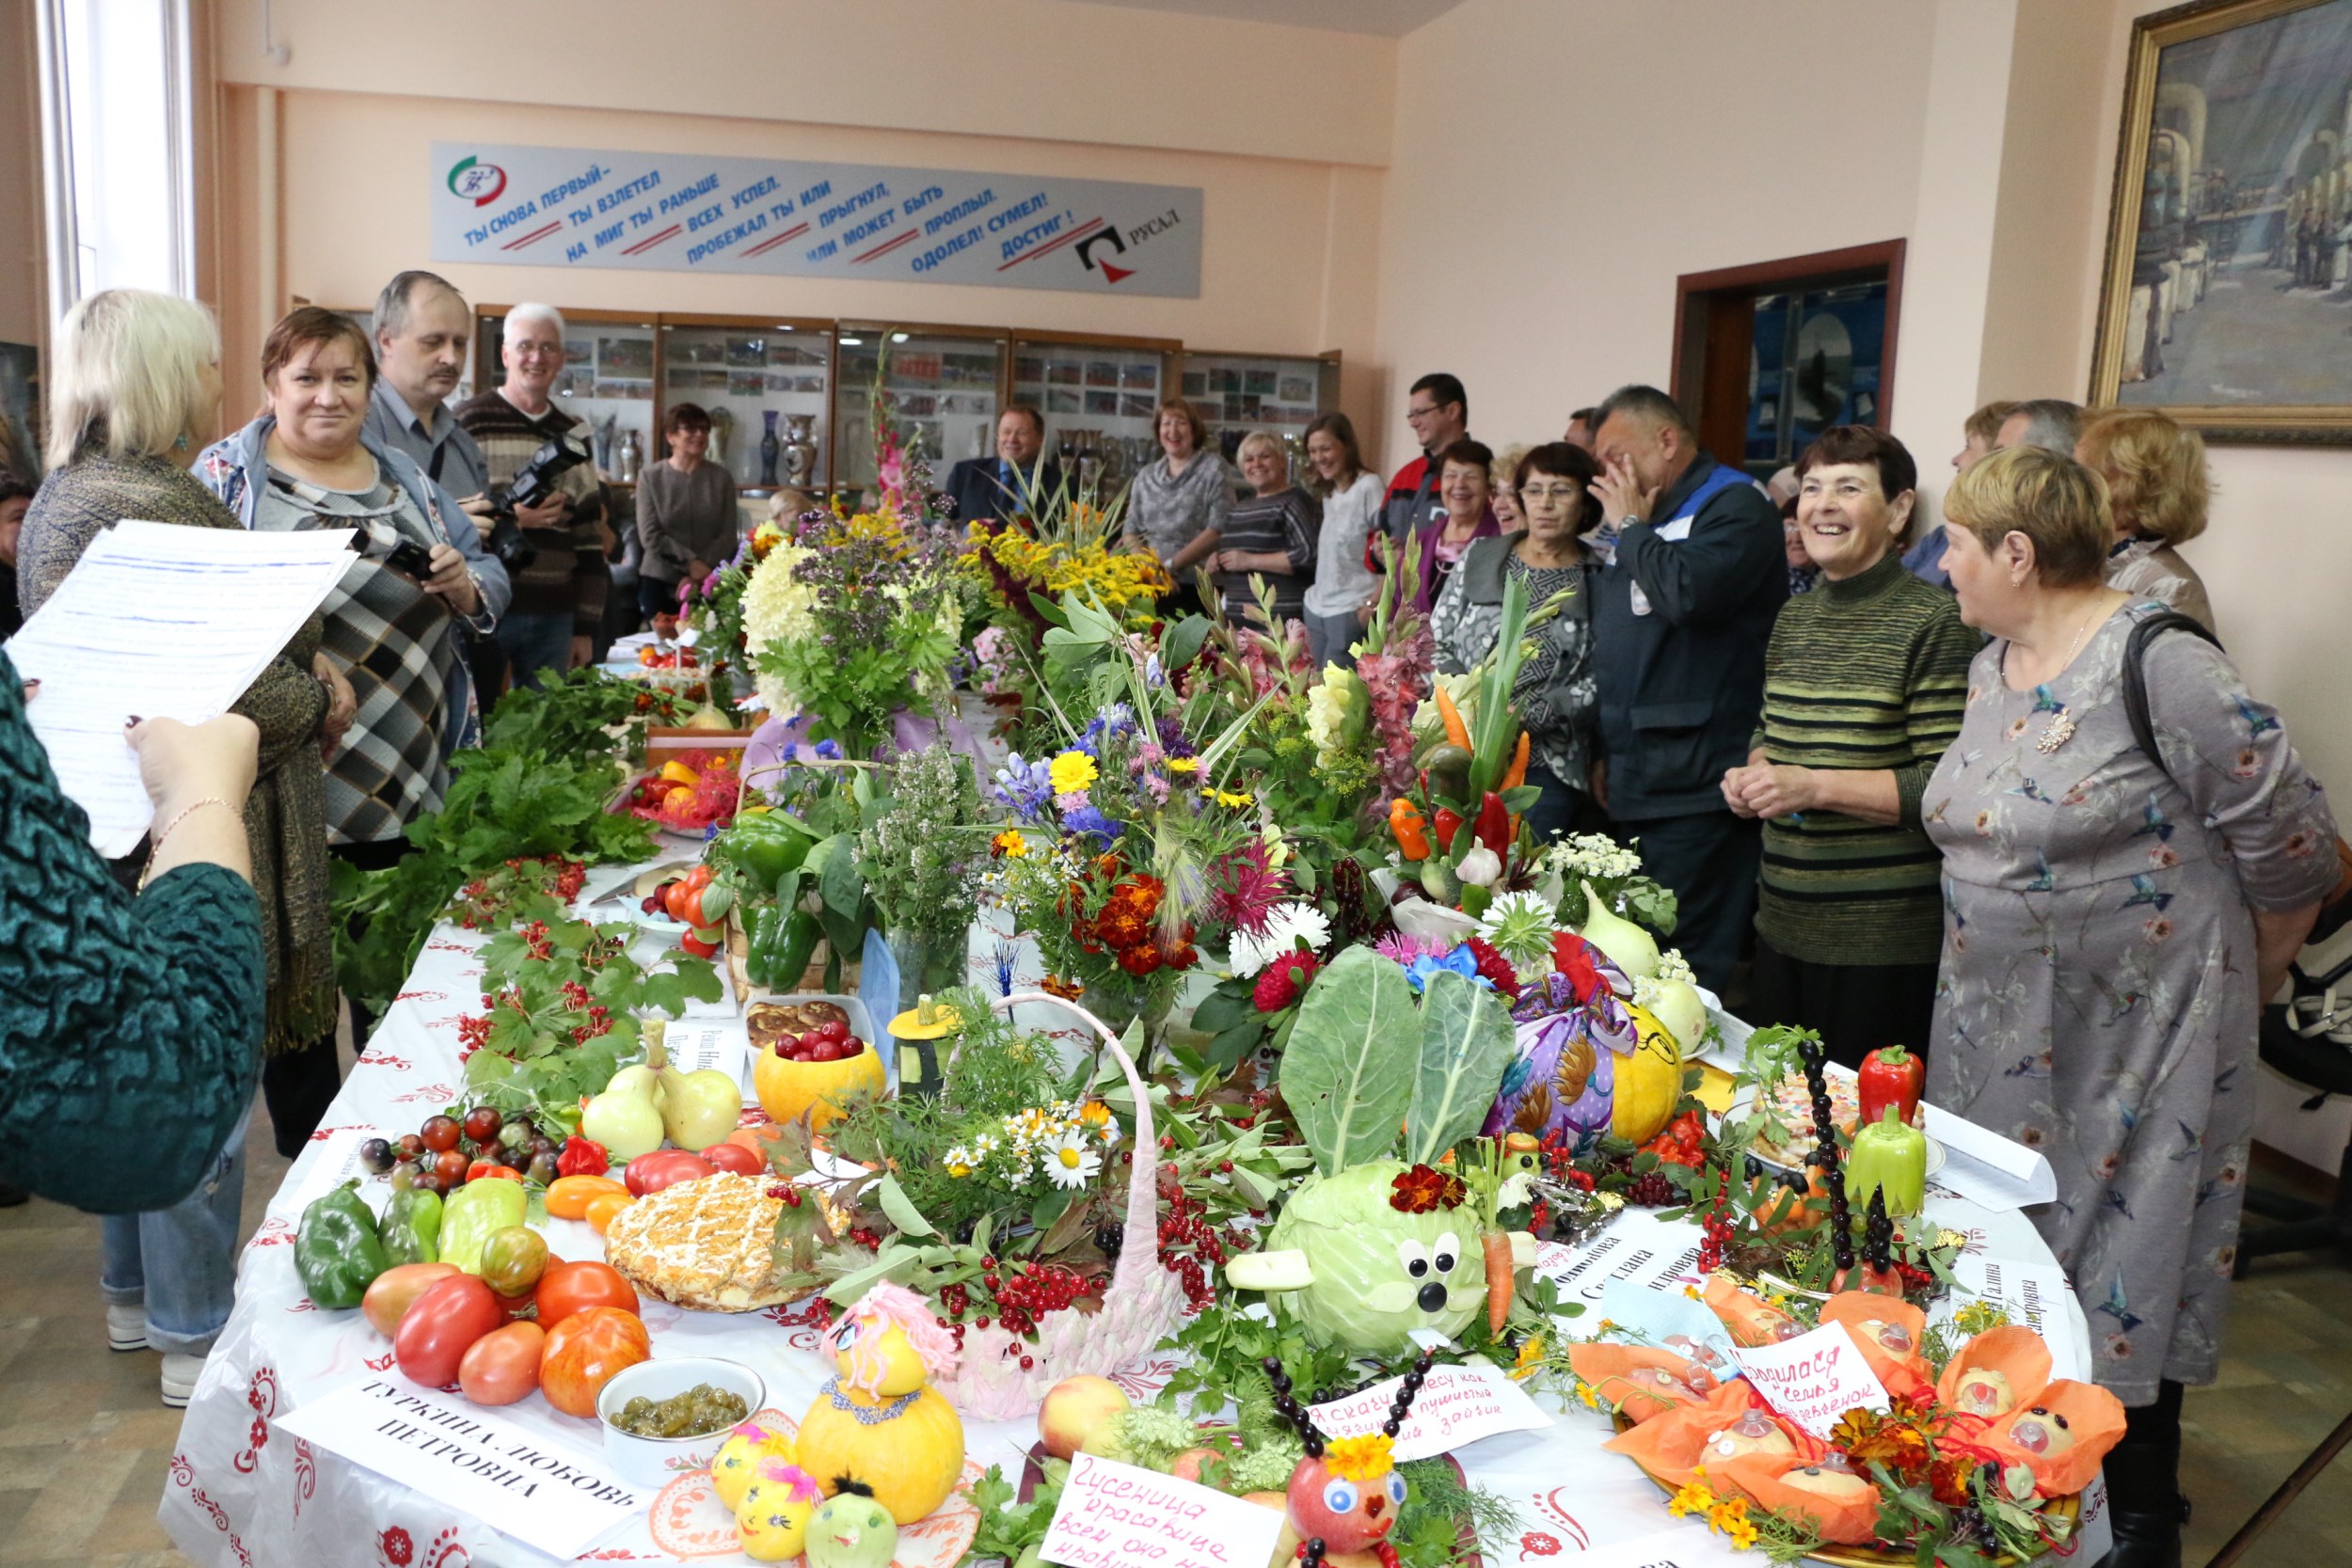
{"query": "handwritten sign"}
{"type": "Point", "coordinates": [1814, 1378]}
{"type": "Point", "coordinates": [1115, 1515]}
{"type": "Point", "coordinates": [2036, 1294]}
{"type": "Point", "coordinates": [1457, 1405]}
{"type": "Point", "coordinates": [546, 1494]}
{"type": "Point", "coordinates": [1636, 1248]}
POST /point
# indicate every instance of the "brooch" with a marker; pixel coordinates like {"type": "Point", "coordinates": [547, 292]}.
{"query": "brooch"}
{"type": "Point", "coordinates": [2056, 733]}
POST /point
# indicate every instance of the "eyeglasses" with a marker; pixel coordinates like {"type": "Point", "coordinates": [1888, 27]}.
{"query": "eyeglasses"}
{"type": "Point", "coordinates": [1411, 414]}
{"type": "Point", "coordinates": [1551, 492]}
{"type": "Point", "coordinates": [538, 351]}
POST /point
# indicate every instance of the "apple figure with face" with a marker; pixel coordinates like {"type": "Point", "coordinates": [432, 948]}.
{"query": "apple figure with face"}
{"type": "Point", "coordinates": [850, 1530]}
{"type": "Point", "coordinates": [1348, 1497]}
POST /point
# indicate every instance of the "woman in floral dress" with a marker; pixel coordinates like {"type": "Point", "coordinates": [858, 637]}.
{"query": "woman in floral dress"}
{"type": "Point", "coordinates": [2111, 921]}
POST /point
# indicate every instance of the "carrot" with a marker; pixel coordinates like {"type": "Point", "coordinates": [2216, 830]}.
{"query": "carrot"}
{"type": "Point", "coordinates": [1497, 1247]}
{"type": "Point", "coordinates": [1457, 732]}
{"type": "Point", "coordinates": [1516, 774]}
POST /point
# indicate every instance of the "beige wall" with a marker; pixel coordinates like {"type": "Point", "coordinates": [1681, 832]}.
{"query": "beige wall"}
{"type": "Point", "coordinates": [21, 305]}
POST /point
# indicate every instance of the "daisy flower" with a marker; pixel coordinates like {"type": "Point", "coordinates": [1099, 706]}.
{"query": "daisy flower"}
{"type": "Point", "coordinates": [1521, 926]}
{"type": "Point", "coordinates": [1068, 1162]}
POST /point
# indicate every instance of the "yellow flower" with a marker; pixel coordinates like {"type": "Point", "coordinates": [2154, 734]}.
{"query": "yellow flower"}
{"type": "Point", "coordinates": [1010, 844]}
{"type": "Point", "coordinates": [1359, 1459]}
{"type": "Point", "coordinates": [1226, 798]}
{"type": "Point", "coordinates": [1743, 1536]}
{"type": "Point", "coordinates": [1072, 772]}
{"type": "Point", "coordinates": [1183, 765]}
{"type": "Point", "coordinates": [1094, 1113]}
{"type": "Point", "coordinates": [1727, 1513]}
{"type": "Point", "coordinates": [1530, 1355]}
{"type": "Point", "coordinates": [1691, 1499]}
{"type": "Point", "coordinates": [1584, 1392]}
{"type": "Point", "coordinates": [1691, 1291]}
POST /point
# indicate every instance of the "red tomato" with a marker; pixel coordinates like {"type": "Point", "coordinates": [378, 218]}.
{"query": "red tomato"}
{"type": "Point", "coordinates": [569, 1288]}
{"type": "Point", "coordinates": [440, 1326]}
{"type": "Point", "coordinates": [585, 1352]}
{"type": "Point", "coordinates": [480, 1168]}
{"type": "Point", "coordinates": [664, 1167]}
{"type": "Point", "coordinates": [504, 1365]}
{"type": "Point", "coordinates": [735, 1158]}
{"type": "Point", "coordinates": [699, 946]}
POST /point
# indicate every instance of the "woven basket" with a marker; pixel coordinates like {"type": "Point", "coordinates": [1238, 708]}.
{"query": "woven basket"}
{"type": "Point", "coordinates": [1143, 1304]}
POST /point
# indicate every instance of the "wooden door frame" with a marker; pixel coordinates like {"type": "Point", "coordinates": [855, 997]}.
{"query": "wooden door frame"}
{"type": "Point", "coordinates": [1696, 293]}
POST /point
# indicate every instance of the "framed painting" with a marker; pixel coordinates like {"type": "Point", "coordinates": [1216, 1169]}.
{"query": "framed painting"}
{"type": "Point", "coordinates": [2227, 290]}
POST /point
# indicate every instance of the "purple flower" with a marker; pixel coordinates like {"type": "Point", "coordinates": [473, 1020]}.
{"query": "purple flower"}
{"type": "Point", "coordinates": [829, 749]}
{"type": "Point", "coordinates": [1088, 820]}
{"type": "Point", "coordinates": [1024, 786]}
{"type": "Point", "coordinates": [1172, 739]}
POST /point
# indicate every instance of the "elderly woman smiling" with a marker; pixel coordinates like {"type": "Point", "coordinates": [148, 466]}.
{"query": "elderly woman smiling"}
{"type": "Point", "coordinates": [2114, 916]}
{"type": "Point", "coordinates": [1862, 686]}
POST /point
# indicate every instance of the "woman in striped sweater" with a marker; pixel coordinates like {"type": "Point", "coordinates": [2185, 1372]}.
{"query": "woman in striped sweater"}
{"type": "Point", "coordinates": [1865, 682]}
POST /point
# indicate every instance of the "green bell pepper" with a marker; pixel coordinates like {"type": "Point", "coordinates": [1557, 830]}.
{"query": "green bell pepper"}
{"type": "Point", "coordinates": [337, 1251]}
{"type": "Point", "coordinates": [764, 941]}
{"type": "Point", "coordinates": [472, 1213]}
{"type": "Point", "coordinates": [412, 1226]}
{"type": "Point", "coordinates": [1446, 775]}
{"type": "Point", "coordinates": [798, 944]}
{"type": "Point", "coordinates": [1888, 1154]}
{"type": "Point", "coordinates": [764, 844]}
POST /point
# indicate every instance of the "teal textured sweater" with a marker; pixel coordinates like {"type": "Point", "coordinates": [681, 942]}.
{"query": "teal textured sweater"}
{"type": "Point", "coordinates": [130, 1028]}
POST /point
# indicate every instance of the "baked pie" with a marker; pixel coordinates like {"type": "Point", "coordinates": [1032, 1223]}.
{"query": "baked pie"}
{"type": "Point", "coordinates": [708, 1245]}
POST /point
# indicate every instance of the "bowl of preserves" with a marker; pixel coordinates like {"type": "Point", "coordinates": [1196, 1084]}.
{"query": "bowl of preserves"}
{"type": "Point", "coordinates": [663, 1418]}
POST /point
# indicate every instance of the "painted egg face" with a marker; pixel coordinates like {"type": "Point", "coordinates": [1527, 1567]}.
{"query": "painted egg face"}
{"type": "Point", "coordinates": [2041, 1431]}
{"type": "Point", "coordinates": [1893, 1337]}
{"type": "Point", "coordinates": [1984, 1392]}
{"type": "Point", "coordinates": [773, 1509]}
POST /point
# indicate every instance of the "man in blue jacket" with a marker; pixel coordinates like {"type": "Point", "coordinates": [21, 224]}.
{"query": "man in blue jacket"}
{"type": "Point", "coordinates": [991, 486]}
{"type": "Point", "coordinates": [1681, 620]}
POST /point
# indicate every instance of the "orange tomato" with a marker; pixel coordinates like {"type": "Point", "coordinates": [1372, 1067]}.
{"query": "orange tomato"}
{"type": "Point", "coordinates": [504, 1365]}
{"type": "Point", "coordinates": [734, 1157]}
{"type": "Point", "coordinates": [751, 1138]}
{"type": "Point", "coordinates": [569, 1288]}
{"type": "Point", "coordinates": [585, 1352]}
{"type": "Point", "coordinates": [568, 1196]}
{"type": "Point", "coordinates": [603, 1208]}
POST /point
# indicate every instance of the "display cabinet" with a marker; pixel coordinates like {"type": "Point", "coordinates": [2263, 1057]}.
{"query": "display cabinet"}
{"type": "Point", "coordinates": [1098, 395]}
{"type": "Point", "coordinates": [768, 386]}
{"type": "Point", "coordinates": [1237, 393]}
{"type": "Point", "coordinates": [943, 386]}
{"type": "Point", "coordinates": [607, 380]}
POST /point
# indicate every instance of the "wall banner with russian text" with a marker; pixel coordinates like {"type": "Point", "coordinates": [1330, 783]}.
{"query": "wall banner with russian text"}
{"type": "Point", "coordinates": [680, 211]}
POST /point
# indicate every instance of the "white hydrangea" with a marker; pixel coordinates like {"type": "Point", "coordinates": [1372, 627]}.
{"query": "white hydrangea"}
{"type": "Point", "coordinates": [777, 608]}
{"type": "Point", "coordinates": [1672, 965]}
{"type": "Point", "coordinates": [1593, 855]}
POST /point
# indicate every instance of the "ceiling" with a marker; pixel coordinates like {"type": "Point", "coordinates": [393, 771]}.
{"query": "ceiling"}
{"type": "Point", "coordinates": [1380, 18]}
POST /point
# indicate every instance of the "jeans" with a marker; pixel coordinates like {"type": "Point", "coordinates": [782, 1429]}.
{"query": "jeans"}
{"type": "Point", "coordinates": [181, 1261]}
{"type": "Point", "coordinates": [535, 643]}
{"type": "Point", "coordinates": [1710, 861]}
{"type": "Point", "coordinates": [1328, 639]}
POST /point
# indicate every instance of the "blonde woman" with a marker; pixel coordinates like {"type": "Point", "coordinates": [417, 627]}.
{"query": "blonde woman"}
{"type": "Point", "coordinates": [1504, 495]}
{"type": "Point", "coordinates": [2157, 493]}
{"type": "Point", "coordinates": [137, 377]}
{"type": "Point", "coordinates": [1270, 535]}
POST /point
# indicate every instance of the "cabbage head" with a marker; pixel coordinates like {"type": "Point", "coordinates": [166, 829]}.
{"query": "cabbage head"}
{"type": "Point", "coordinates": [1380, 1273]}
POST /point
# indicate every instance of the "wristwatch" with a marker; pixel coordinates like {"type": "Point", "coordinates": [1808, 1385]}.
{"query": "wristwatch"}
{"type": "Point", "coordinates": [1627, 521]}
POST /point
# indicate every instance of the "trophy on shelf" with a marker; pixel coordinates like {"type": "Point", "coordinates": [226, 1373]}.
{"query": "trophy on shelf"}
{"type": "Point", "coordinates": [633, 458]}
{"type": "Point", "coordinates": [800, 450]}
{"type": "Point", "coordinates": [768, 449]}
{"type": "Point", "coordinates": [601, 432]}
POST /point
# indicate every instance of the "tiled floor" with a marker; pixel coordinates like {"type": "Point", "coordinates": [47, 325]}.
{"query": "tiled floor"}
{"type": "Point", "coordinates": [84, 1441]}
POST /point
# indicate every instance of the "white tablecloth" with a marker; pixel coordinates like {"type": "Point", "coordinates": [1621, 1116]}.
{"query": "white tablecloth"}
{"type": "Point", "coordinates": [240, 1492]}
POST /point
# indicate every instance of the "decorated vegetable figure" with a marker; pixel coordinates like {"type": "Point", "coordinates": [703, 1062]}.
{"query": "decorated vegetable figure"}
{"type": "Point", "coordinates": [775, 1507]}
{"type": "Point", "coordinates": [1345, 1495]}
{"type": "Point", "coordinates": [877, 1426]}
{"type": "Point", "coordinates": [852, 1530]}
{"type": "Point", "coordinates": [738, 1459]}
{"type": "Point", "coordinates": [1891, 1157]}
{"type": "Point", "coordinates": [1377, 1251]}
{"type": "Point", "coordinates": [1891, 1076]}
{"type": "Point", "coordinates": [1574, 1036]}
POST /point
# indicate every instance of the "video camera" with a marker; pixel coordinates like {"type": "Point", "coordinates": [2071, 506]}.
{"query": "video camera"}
{"type": "Point", "coordinates": [533, 484]}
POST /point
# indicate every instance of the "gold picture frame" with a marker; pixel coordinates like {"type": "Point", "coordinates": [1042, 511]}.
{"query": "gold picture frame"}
{"type": "Point", "coordinates": [2226, 298]}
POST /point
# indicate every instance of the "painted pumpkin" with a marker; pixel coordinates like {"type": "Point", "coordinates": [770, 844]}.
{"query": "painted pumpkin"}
{"type": "Point", "coordinates": [877, 1427]}
{"type": "Point", "coordinates": [853, 1531]}
{"type": "Point", "coordinates": [739, 1457]}
{"type": "Point", "coordinates": [1573, 1043]}
{"type": "Point", "coordinates": [772, 1512]}
{"type": "Point", "coordinates": [1648, 1082]}
{"type": "Point", "coordinates": [789, 1090]}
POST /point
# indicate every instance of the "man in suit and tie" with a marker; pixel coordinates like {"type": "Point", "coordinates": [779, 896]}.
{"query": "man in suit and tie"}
{"type": "Point", "coordinates": [986, 486]}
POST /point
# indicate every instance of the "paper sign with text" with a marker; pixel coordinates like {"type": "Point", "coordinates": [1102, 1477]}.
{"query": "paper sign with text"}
{"type": "Point", "coordinates": [1814, 1378]}
{"type": "Point", "coordinates": [1636, 1248]}
{"type": "Point", "coordinates": [1457, 1405]}
{"type": "Point", "coordinates": [2034, 1293]}
{"type": "Point", "coordinates": [1115, 1515]}
{"type": "Point", "coordinates": [546, 1495]}
{"type": "Point", "coordinates": [699, 1043]}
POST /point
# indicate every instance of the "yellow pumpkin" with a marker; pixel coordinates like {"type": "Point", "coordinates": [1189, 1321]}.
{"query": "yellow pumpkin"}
{"type": "Point", "coordinates": [1648, 1082]}
{"type": "Point", "coordinates": [771, 1515]}
{"type": "Point", "coordinates": [910, 1460]}
{"type": "Point", "coordinates": [789, 1089]}
{"type": "Point", "coordinates": [739, 1457]}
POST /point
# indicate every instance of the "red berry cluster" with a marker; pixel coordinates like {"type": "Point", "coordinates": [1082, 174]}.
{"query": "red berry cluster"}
{"type": "Point", "coordinates": [1030, 1293]}
{"type": "Point", "coordinates": [536, 941]}
{"type": "Point", "coordinates": [1715, 1234]}
{"type": "Point", "coordinates": [1190, 1245]}
{"type": "Point", "coordinates": [473, 1034]}
{"type": "Point", "coordinates": [871, 1240]}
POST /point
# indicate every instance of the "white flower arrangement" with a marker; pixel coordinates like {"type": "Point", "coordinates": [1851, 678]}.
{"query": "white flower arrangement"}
{"type": "Point", "coordinates": [777, 606]}
{"type": "Point", "coordinates": [1063, 1142]}
{"type": "Point", "coordinates": [1593, 855]}
{"type": "Point", "coordinates": [1288, 927]}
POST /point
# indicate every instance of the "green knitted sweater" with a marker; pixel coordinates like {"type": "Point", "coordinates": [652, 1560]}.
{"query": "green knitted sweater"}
{"type": "Point", "coordinates": [1870, 672]}
{"type": "Point", "coordinates": [130, 1028]}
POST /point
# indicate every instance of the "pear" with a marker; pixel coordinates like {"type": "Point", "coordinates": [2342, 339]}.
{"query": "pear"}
{"type": "Point", "coordinates": [645, 1079]}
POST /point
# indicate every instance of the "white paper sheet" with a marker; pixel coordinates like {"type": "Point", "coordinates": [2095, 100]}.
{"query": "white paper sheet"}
{"type": "Point", "coordinates": [1456, 1407]}
{"type": "Point", "coordinates": [163, 621]}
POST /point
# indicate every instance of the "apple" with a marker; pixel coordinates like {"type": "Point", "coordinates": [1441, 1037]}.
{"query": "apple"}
{"type": "Point", "coordinates": [1075, 1410]}
{"type": "Point", "coordinates": [703, 1108]}
{"type": "Point", "coordinates": [1187, 1464]}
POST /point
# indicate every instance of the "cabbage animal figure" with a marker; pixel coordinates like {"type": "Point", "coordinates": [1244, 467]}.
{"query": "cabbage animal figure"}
{"type": "Point", "coordinates": [1572, 1034]}
{"type": "Point", "coordinates": [1375, 1253]}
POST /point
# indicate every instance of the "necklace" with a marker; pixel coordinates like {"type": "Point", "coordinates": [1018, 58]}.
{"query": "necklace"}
{"type": "Point", "coordinates": [2060, 728]}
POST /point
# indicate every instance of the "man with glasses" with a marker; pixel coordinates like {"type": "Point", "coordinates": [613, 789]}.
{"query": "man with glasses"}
{"type": "Point", "coordinates": [1438, 411]}
{"type": "Point", "coordinates": [559, 597]}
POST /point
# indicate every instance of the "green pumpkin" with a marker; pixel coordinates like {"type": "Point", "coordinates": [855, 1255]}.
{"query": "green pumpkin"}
{"type": "Point", "coordinates": [851, 1531]}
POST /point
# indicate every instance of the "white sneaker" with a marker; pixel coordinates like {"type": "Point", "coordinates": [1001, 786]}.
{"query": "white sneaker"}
{"type": "Point", "coordinates": [126, 1328]}
{"type": "Point", "coordinates": [180, 1375]}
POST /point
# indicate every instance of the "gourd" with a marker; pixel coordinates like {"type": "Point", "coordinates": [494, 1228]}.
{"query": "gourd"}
{"type": "Point", "coordinates": [789, 1090]}
{"type": "Point", "coordinates": [1628, 946]}
{"type": "Point", "coordinates": [878, 1426]}
{"type": "Point", "coordinates": [1648, 1082]}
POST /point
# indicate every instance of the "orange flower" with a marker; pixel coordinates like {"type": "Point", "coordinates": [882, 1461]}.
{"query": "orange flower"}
{"type": "Point", "coordinates": [1423, 1188]}
{"type": "Point", "coordinates": [1069, 991]}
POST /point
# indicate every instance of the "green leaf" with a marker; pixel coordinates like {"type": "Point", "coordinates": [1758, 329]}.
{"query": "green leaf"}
{"type": "Point", "coordinates": [1466, 1042]}
{"type": "Point", "coordinates": [901, 1210]}
{"type": "Point", "coordinates": [1181, 643]}
{"type": "Point", "coordinates": [1347, 1072]}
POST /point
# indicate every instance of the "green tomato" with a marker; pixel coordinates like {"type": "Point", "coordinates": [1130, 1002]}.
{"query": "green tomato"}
{"type": "Point", "coordinates": [513, 1259]}
{"type": "Point", "coordinates": [1380, 1273]}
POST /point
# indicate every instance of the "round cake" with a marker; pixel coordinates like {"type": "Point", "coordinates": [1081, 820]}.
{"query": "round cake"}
{"type": "Point", "coordinates": [708, 1245]}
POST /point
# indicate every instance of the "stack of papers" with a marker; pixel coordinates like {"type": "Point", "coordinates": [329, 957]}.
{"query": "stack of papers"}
{"type": "Point", "coordinates": [163, 621]}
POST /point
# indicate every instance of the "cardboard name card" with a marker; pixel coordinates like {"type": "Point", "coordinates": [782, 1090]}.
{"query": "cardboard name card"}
{"type": "Point", "coordinates": [1456, 1406]}
{"type": "Point", "coordinates": [1814, 1378]}
{"type": "Point", "coordinates": [1114, 1515]}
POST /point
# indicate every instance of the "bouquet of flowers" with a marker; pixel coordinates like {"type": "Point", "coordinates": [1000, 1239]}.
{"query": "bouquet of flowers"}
{"type": "Point", "coordinates": [851, 620]}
